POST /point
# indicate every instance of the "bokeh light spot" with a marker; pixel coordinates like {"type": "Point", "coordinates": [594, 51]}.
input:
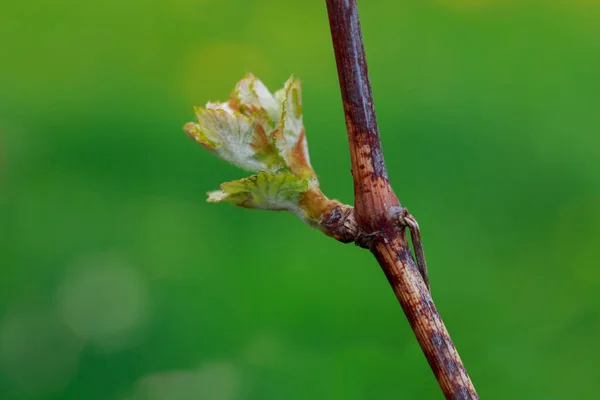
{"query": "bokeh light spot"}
{"type": "Point", "coordinates": [214, 381]}
{"type": "Point", "coordinates": [39, 354]}
{"type": "Point", "coordinates": [105, 302]}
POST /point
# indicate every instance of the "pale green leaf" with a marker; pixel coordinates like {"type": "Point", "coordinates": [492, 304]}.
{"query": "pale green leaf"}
{"type": "Point", "coordinates": [291, 117]}
{"type": "Point", "coordinates": [252, 98]}
{"type": "Point", "coordinates": [234, 138]}
{"type": "Point", "coordinates": [257, 130]}
{"type": "Point", "coordinates": [290, 137]}
{"type": "Point", "coordinates": [269, 191]}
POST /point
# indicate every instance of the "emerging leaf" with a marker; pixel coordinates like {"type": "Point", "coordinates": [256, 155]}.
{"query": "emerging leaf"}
{"type": "Point", "coordinates": [266, 190]}
{"type": "Point", "coordinates": [290, 137]}
{"type": "Point", "coordinates": [263, 132]}
{"type": "Point", "coordinates": [234, 138]}
{"type": "Point", "coordinates": [255, 129]}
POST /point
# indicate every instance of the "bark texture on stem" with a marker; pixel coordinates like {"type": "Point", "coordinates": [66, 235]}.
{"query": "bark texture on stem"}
{"type": "Point", "coordinates": [378, 213]}
{"type": "Point", "coordinates": [373, 196]}
{"type": "Point", "coordinates": [427, 324]}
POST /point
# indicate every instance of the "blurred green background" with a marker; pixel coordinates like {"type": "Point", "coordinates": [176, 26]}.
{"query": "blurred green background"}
{"type": "Point", "coordinates": [118, 281]}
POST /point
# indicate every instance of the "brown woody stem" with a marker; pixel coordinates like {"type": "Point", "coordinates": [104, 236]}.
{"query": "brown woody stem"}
{"type": "Point", "coordinates": [377, 209]}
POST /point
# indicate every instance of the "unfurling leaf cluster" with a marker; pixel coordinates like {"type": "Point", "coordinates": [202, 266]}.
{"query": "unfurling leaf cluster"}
{"type": "Point", "coordinates": [262, 132]}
